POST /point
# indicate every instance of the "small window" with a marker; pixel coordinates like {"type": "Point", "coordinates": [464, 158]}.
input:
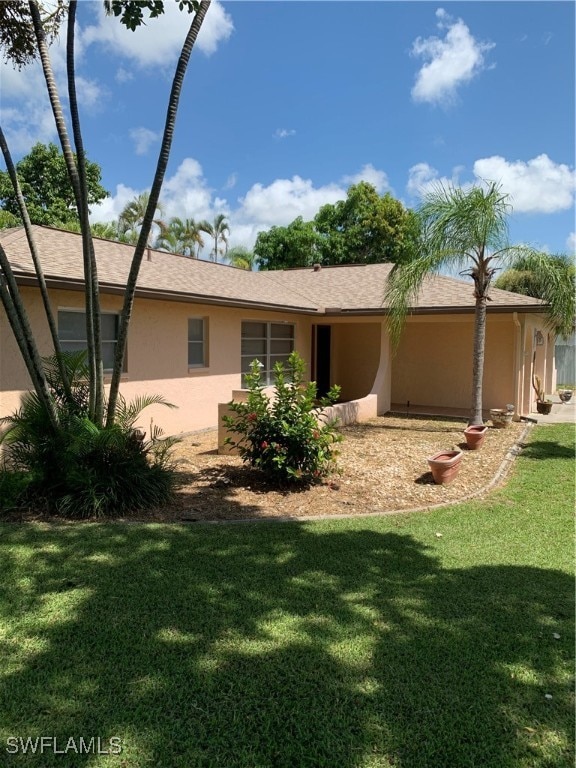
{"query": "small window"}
{"type": "Point", "coordinates": [269, 343]}
{"type": "Point", "coordinates": [197, 357]}
{"type": "Point", "coordinates": [72, 334]}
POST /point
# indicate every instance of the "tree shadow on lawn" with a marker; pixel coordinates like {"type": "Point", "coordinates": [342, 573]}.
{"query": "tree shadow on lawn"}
{"type": "Point", "coordinates": [277, 647]}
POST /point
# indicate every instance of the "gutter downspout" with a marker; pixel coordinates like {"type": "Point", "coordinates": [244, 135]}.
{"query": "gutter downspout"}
{"type": "Point", "coordinates": [518, 366]}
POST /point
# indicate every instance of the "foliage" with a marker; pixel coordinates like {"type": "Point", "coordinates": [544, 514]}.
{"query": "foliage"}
{"type": "Point", "coordinates": [132, 217]}
{"type": "Point", "coordinates": [241, 257]}
{"type": "Point", "coordinates": [365, 228]}
{"type": "Point", "coordinates": [181, 236]}
{"type": "Point", "coordinates": [218, 230]}
{"type": "Point", "coordinates": [547, 277]}
{"type": "Point", "coordinates": [46, 187]}
{"type": "Point", "coordinates": [296, 245]}
{"type": "Point", "coordinates": [285, 436]}
{"type": "Point", "coordinates": [468, 230]}
{"type": "Point", "coordinates": [8, 219]}
{"type": "Point", "coordinates": [82, 470]}
{"type": "Point", "coordinates": [17, 39]}
{"type": "Point", "coordinates": [131, 12]}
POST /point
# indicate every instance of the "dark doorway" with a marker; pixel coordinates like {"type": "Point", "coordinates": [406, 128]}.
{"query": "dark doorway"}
{"type": "Point", "coordinates": [322, 359]}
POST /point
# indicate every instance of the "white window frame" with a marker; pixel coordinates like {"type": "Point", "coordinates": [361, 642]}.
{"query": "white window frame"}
{"type": "Point", "coordinates": [267, 365]}
{"type": "Point", "coordinates": [201, 342]}
{"type": "Point", "coordinates": [82, 312]}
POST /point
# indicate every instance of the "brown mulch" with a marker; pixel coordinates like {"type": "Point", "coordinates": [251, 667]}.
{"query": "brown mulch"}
{"type": "Point", "coordinates": [382, 464]}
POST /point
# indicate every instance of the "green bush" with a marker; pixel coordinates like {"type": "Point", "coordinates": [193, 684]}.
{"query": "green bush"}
{"type": "Point", "coordinates": [285, 436]}
{"type": "Point", "coordinates": [82, 470]}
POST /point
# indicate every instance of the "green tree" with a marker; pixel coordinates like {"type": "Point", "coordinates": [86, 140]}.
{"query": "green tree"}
{"type": "Point", "coordinates": [132, 217]}
{"type": "Point", "coordinates": [218, 230]}
{"type": "Point", "coordinates": [181, 236]}
{"type": "Point", "coordinates": [242, 257]}
{"type": "Point", "coordinates": [46, 187]}
{"type": "Point", "coordinates": [468, 229]}
{"type": "Point", "coordinates": [365, 228]}
{"type": "Point", "coordinates": [296, 245]}
{"type": "Point", "coordinates": [525, 275]}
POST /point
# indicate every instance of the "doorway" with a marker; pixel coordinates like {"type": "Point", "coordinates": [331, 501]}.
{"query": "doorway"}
{"type": "Point", "coordinates": [322, 342]}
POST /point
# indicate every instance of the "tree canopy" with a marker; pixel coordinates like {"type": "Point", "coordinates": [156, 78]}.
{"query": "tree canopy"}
{"type": "Point", "coordinates": [365, 228]}
{"type": "Point", "coordinates": [46, 187]}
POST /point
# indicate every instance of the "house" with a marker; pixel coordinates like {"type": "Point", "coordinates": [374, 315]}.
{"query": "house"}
{"type": "Point", "coordinates": [197, 325]}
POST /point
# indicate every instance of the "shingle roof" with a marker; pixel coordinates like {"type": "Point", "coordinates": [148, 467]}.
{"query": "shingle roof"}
{"type": "Point", "coordinates": [350, 288]}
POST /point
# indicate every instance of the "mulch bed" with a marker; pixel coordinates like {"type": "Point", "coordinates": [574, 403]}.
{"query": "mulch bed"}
{"type": "Point", "coordinates": [383, 468]}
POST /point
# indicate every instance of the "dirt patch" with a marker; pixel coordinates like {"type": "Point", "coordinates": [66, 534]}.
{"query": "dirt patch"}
{"type": "Point", "coordinates": [382, 464]}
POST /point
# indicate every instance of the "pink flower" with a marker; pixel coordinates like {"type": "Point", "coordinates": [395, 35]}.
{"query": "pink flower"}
{"type": "Point", "coordinates": [252, 416]}
{"type": "Point", "coordinates": [263, 445]}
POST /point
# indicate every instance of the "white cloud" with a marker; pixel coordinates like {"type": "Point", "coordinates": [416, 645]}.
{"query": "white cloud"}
{"type": "Point", "coordinates": [423, 178]}
{"type": "Point", "coordinates": [231, 181]}
{"type": "Point", "coordinates": [571, 243]}
{"type": "Point", "coordinates": [536, 186]}
{"type": "Point", "coordinates": [123, 75]}
{"type": "Point", "coordinates": [110, 208]}
{"type": "Point", "coordinates": [450, 61]}
{"type": "Point", "coordinates": [283, 133]}
{"type": "Point", "coordinates": [143, 139]}
{"type": "Point", "coordinates": [378, 179]}
{"type": "Point", "coordinates": [158, 42]}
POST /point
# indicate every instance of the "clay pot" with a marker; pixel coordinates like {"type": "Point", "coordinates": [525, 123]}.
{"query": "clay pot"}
{"type": "Point", "coordinates": [445, 466]}
{"type": "Point", "coordinates": [475, 435]}
{"type": "Point", "coordinates": [501, 418]}
{"type": "Point", "coordinates": [543, 407]}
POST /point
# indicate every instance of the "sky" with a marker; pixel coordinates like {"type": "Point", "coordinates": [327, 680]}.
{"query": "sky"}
{"type": "Point", "coordinates": [285, 104]}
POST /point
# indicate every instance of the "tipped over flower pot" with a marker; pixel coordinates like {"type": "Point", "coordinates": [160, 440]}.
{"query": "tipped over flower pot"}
{"type": "Point", "coordinates": [475, 435]}
{"type": "Point", "coordinates": [445, 466]}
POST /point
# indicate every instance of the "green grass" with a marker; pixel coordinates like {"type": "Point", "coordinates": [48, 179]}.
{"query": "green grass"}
{"type": "Point", "coordinates": [364, 643]}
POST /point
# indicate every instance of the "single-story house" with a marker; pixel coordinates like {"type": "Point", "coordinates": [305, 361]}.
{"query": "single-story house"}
{"type": "Point", "coordinates": [197, 325]}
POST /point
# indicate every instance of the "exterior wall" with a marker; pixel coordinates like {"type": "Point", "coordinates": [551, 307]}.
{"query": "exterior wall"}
{"type": "Point", "coordinates": [355, 357]}
{"type": "Point", "coordinates": [157, 355]}
{"type": "Point", "coordinates": [538, 346]}
{"type": "Point", "coordinates": [433, 363]}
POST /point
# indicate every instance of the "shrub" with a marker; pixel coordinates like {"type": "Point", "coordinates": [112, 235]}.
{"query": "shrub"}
{"type": "Point", "coordinates": [82, 470]}
{"type": "Point", "coordinates": [286, 435]}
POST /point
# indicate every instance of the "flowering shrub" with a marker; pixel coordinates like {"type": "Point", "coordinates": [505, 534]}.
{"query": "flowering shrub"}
{"type": "Point", "coordinates": [285, 436]}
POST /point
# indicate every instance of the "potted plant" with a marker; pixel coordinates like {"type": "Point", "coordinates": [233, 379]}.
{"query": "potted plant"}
{"type": "Point", "coordinates": [475, 434]}
{"type": "Point", "coordinates": [543, 405]}
{"type": "Point", "coordinates": [445, 466]}
{"type": "Point", "coordinates": [502, 417]}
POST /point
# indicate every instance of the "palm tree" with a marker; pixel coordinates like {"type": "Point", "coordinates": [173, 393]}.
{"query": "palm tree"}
{"type": "Point", "coordinates": [242, 257]}
{"type": "Point", "coordinates": [218, 230]}
{"type": "Point", "coordinates": [181, 236]}
{"type": "Point", "coordinates": [468, 229]}
{"type": "Point", "coordinates": [524, 275]}
{"type": "Point", "coordinates": [132, 217]}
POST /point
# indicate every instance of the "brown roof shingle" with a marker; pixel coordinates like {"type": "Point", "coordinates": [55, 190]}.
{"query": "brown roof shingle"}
{"type": "Point", "coordinates": [350, 288]}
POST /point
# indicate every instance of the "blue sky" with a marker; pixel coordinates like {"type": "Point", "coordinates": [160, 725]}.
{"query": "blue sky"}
{"type": "Point", "coordinates": [286, 104]}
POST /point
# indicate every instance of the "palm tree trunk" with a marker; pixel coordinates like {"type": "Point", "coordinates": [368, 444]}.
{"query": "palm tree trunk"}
{"type": "Point", "coordinates": [478, 360]}
{"type": "Point", "coordinates": [90, 268]}
{"type": "Point", "coordinates": [74, 180]}
{"type": "Point", "coordinates": [18, 319]}
{"type": "Point", "coordinates": [152, 205]}
{"type": "Point", "coordinates": [37, 264]}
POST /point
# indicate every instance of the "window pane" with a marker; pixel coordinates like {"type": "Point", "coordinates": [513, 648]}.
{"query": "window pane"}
{"type": "Point", "coordinates": [195, 353]}
{"type": "Point", "coordinates": [196, 329]}
{"type": "Point", "coordinates": [71, 326]}
{"type": "Point", "coordinates": [281, 347]}
{"type": "Point", "coordinates": [254, 347]}
{"type": "Point", "coordinates": [245, 363]}
{"type": "Point", "coordinates": [254, 330]}
{"type": "Point", "coordinates": [109, 327]}
{"type": "Point", "coordinates": [73, 346]}
{"type": "Point", "coordinates": [281, 331]}
{"type": "Point", "coordinates": [108, 349]}
{"type": "Point", "coordinates": [278, 359]}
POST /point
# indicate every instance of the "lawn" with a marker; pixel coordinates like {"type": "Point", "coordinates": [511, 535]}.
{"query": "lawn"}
{"type": "Point", "coordinates": [433, 639]}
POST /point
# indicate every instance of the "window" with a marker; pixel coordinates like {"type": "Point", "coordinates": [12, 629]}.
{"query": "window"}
{"type": "Point", "coordinates": [197, 357]}
{"type": "Point", "coordinates": [72, 334]}
{"type": "Point", "coordinates": [270, 343]}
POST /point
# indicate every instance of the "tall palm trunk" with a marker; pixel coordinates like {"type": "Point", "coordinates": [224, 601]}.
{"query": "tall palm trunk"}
{"type": "Point", "coordinates": [18, 319]}
{"type": "Point", "coordinates": [36, 260]}
{"type": "Point", "coordinates": [152, 204]}
{"type": "Point", "coordinates": [93, 342]}
{"type": "Point", "coordinates": [478, 360]}
{"type": "Point", "coordinates": [90, 268]}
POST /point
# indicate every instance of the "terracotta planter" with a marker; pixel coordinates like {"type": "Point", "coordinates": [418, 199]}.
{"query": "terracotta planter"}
{"type": "Point", "coordinates": [501, 418]}
{"type": "Point", "coordinates": [543, 407]}
{"type": "Point", "coordinates": [445, 466]}
{"type": "Point", "coordinates": [475, 435]}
